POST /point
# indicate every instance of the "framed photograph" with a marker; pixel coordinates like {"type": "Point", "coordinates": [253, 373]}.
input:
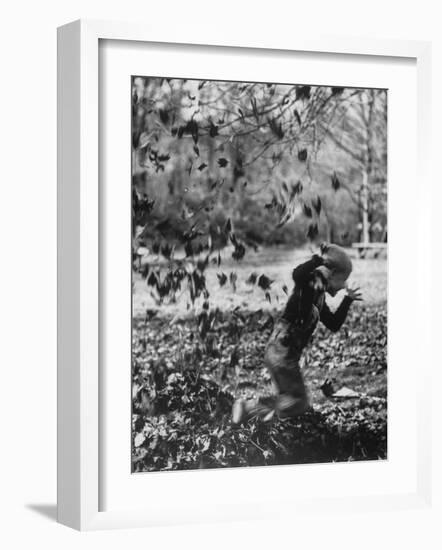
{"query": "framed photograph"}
{"type": "Point", "coordinates": [235, 252]}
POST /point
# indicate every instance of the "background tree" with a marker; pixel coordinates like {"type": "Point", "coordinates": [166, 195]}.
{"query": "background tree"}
{"type": "Point", "coordinates": [249, 164]}
{"type": "Point", "coordinates": [360, 131]}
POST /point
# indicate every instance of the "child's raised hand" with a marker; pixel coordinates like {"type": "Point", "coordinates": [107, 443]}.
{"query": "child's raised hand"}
{"type": "Point", "coordinates": [353, 293]}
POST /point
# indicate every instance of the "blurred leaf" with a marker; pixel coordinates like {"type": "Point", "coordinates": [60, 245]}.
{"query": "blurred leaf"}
{"type": "Point", "coordinates": [222, 279]}
{"type": "Point", "coordinates": [239, 251]}
{"type": "Point", "coordinates": [307, 210]}
{"type": "Point", "coordinates": [213, 130]}
{"type": "Point", "coordinates": [252, 279]}
{"type": "Point", "coordinates": [233, 279]}
{"type": "Point", "coordinates": [312, 231]}
{"type": "Point", "coordinates": [302, 155]}
{"type": "Point", "coordinates": [163, 158]}
{"type": "Point", "coordinates": [152, 280]}
{"type": "Point", "coordinates": [164, 116]}
{"type": "Point", "coordinates": [297, 188]}
{"type": "Point", "coordinates": [317, 205]}
{"type": "Point", "coordinates": [166, 250]}
{"type": "Point", "coordinates": [303, 92]}
{"type": "Point", "coordinates": [276, 128]}
{"type": "Point", "coordinates": [336, 184]}
{"type": "Point", "coordinates": [337, 90]}
{"type": "Point", "coordinates": [264, 282]}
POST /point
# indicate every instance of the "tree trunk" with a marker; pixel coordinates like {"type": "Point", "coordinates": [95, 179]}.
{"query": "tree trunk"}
{"type": "Point", "coordinates": [364, 206]}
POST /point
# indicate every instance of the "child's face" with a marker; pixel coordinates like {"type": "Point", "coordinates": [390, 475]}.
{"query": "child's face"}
{"type": "Point", "coordinates": [335, 284]}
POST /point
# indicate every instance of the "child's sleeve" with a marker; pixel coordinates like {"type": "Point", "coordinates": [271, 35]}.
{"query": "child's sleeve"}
{"type": "Point", "coordinates": [302, 272]}
{"type": "Point", "coordinates": [334, 321]}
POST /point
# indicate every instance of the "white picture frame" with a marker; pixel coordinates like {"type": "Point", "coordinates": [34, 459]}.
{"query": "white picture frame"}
{"type": "Point", "coordinates": [79, 271]}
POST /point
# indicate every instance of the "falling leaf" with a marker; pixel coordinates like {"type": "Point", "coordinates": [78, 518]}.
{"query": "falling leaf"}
{"type": "Point", "coordinates": [222, 279]}
{"type": "Point", "coordinates": [317, 205]}
{"type": "Point", "coordinates": [239, 251]}
{"type": "Point", "coordinates": [213, 130]}
{"type": "Point", "coordinates": [163, 158]}
{"type": "Point", "coordinates": [303, 92]}
{"type": "Point", "coordinates": [276, 128]}
{"type": "Point", "coordinates": [336, 184]}
{"type": "Point", "coordinates": [233, 279]}
{"type": "Point", "coordinates": [264, 282]}
{"type": "Point", "coordinates": [164, 116]}
{"type": "Point", "coordinates": [188, 249]}
{"type": "Point", "coordinates": [337, 90]}
{"type": "Point", "coordinates": [307, 210]}
{"type": "Point", "coordinates": [297, 188]}
{"type": "Point", "coordinates": [312, 231]}
{"type": "Point", "coordinates": [302, 155]}
{"type": "Point", "coordinates": [252, 279]}
{"type": "Point", "coordinates": [152, 280]}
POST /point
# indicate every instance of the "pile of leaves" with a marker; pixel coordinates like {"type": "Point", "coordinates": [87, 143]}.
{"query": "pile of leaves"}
{"type": "Point", "coordinates": [187, 374]}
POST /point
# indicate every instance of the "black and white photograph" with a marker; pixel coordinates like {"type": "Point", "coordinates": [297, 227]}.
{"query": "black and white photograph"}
{"type": "Point", "coordinates": [259, 273]}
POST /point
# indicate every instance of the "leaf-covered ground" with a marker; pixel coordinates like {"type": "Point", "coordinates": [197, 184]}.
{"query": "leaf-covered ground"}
{"type": "Point", "coordinates": [188, 370]}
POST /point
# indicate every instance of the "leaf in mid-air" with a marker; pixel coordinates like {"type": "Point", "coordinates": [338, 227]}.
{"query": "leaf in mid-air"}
{"type": "Point", "coordinates": [164, 116]}
{"type": "Point", "coordinates": [312, 231]}
{"type": "Point", "coordinates": [303, 92]}
{"type": "Point", "coordinates": [252, 279]}
{"type": "Point", "coordinates": [336, 184]}
{"type": "Point", "coordinates": [222, 278]}
{"type": "Point", "coordinates": [302, 155]}
{"type": "Point", "coordinates": [307, 210]}
{"type": "Point", "coordinates": [264, 282]}
{"type": "Point", "coordinates": [317, 205]}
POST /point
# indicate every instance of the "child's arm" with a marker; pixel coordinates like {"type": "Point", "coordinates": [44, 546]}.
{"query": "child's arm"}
{"type": "Point", "coordinates": [302, 273]}
{"type": "Point", "coordinates": [334, 321]}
